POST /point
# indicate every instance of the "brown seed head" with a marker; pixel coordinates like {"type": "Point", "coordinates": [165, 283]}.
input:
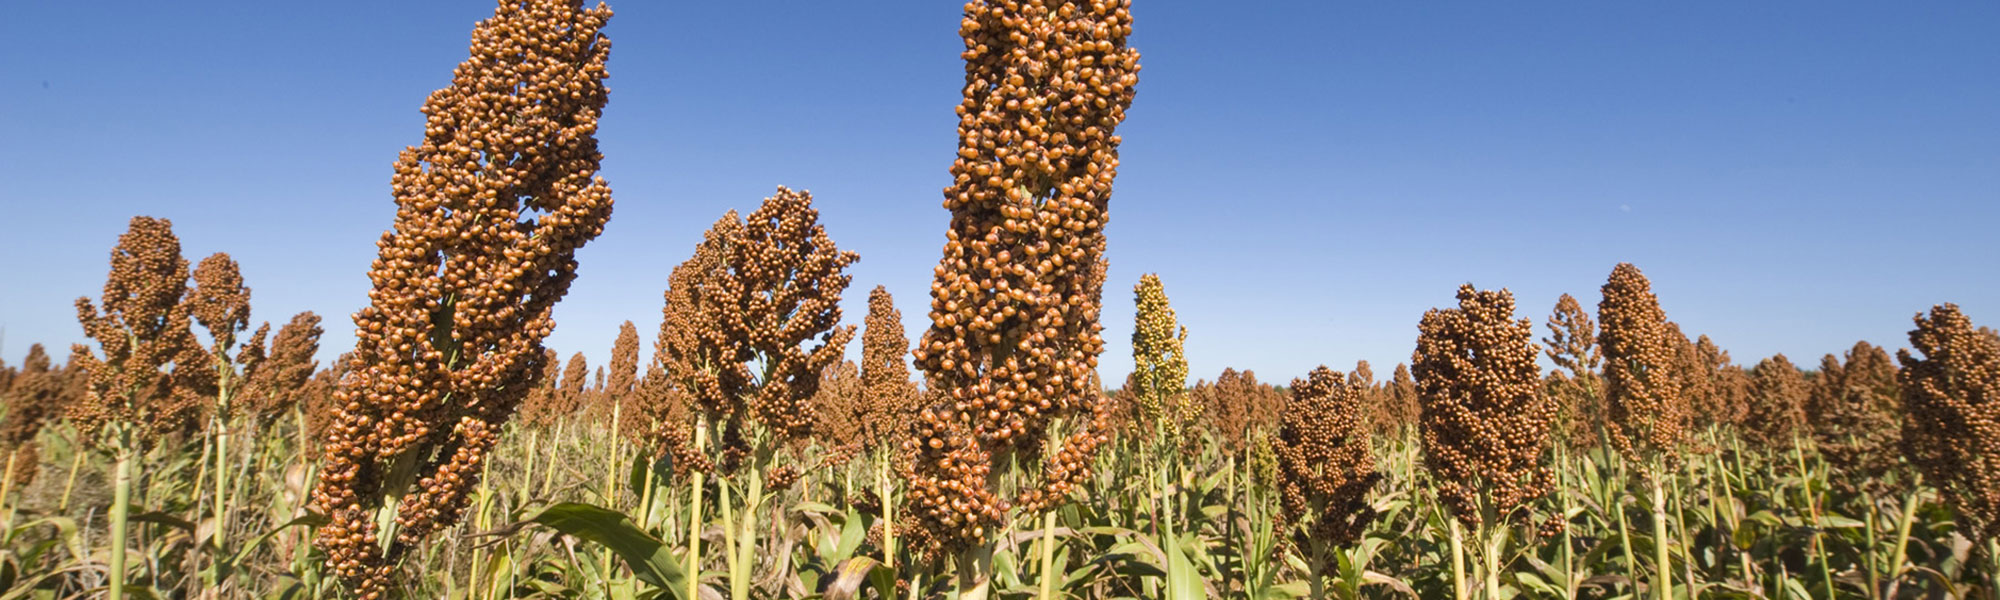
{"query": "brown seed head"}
{"type": "Point", "coordinates": [1015, 329]}
{"type": "Point", "coordinates": [1951, 399]}
{"type": "Point", "coordinates": [1857, 420]}
{"type": "Point", "coordinates": [1485, 421]}
{"type": "Point", "coordinates": [1237, 406]}
{"type": "Point", "coordinates": [740, 322]}
{"type": "Point", "coordinates": [1574, 386]}
{"type": "Point", "coordinates": [490, 210]}
{"type": "Point", "coordinates": [1646, 415]}
{"type": "Point", "coordinates": [886, 388]}
{"type": "Point", "coordinates": [149, 370]}
{"type": "Point", "coordinates": [1325, 468]}
{"type": "Point", "coordinates": [1776, 414]}
{"type": "Point", "coordinates": [273, 384]}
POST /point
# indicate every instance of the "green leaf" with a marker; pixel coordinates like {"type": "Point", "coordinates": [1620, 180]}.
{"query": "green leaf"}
{"type": "Point", "coordinates": [650, 559]}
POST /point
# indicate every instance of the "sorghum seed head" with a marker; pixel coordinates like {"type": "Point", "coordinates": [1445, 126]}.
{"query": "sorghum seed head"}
{"type": "Point", "coordinates": [1485, 420]}
{"type": "Point", "coordinates": [491, 209]}
{"type": "Point", "coordinates": [1951, 399]}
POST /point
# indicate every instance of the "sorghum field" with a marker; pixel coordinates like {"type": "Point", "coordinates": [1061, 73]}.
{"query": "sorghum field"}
{"type": "Point", "coordinates": [187, 452]}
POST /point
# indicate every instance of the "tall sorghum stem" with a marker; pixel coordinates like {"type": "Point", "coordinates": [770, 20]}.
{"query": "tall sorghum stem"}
{"type": "Point", "coordinates": [1458, 586]}
{"type": "Point", "coordinates": [1903, 535]}
{"type": "Point", "coordinates": [1663, 574]}
{"type": "Point", "coordinates": [695, 523]}
{"type": "Point", "coordinates": [121, 500]}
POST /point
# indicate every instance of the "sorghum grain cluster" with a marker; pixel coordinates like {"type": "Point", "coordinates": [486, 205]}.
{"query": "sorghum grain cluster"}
{"type": "Point", "coordinates": [490, 210]}
{"type": "Point", "coordinates": [1951, 399]}
{"type": "Point", "coordinates": [1015, 331]}
{"type": "Point", "coordinates": [1776, 414]}
{"type": "Point", "coordinates": [1645, 416]}
{"type": "Point", "coordinates": [1485, 421]}
{"type": "Point", "coordinates": [150, 365]}
{"type": "Point", "coordinates": [1325, 468]}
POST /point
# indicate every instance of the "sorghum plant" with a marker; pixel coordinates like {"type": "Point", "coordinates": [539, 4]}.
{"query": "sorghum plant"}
{"type": "Point", "coordinates": [1485, 421]}
{"type": "Point", "coordinates": [490, 210]}
{"type": "Point", "coordinates": [277, 383]}
{"type": "Point", "coordinates": [1857, 419]}
{"type": "Point", "coordinates": [624, 375]}
{"type": "Point", "coordinates": [571, 391]}
{"type": "Point", "coordinates": [1014, 333]}
{"type": "Point", "coordinates": [886, 387]}
{"type": "Point", "coordinates": [1401, 409]}
{"type": "Point", "coordinates": [1159, 357]}
{"type": "Point", "coordinates": [147, 377]}
{"type": "Point", "coordinates": [838, 405]}
{"type": "Point", "coordinates": [1575, 387]}
{"type": "Point", "coordinates": [1951, 396]}
{"type": "Point", "coordinates": [734, 338]}
{"type": "Point", "coordinates": [1646, 415]}
{"type": "Point", "coordinates": [1727, 386]}
{"type": "Point", "coordinates": [1325, 468]}
{"type": "Point", "coordinates": [33, 396]}
{"type": "Point", "coordinates": [1776, 415]}
{"type": "Point", "coordinates": [1237, 405]}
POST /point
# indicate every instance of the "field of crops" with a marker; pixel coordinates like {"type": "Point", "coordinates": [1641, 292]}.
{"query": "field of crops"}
{"type": "Point", "coordinates": [1597, 452]}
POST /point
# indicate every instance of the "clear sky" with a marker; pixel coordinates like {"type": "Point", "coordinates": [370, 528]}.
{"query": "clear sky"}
{"type": "Point", "coordinates": [1307, 177]}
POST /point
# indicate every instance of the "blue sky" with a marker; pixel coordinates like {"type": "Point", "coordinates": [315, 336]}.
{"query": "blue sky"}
{"type": "Point", "coordinates": [1306, 177]}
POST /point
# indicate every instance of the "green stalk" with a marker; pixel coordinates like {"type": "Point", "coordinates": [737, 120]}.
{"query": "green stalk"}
{"type": "Point", "coordinates": [1495, 539]}
{"type": "Point", "coordinates": [1664, 574]}
{"type": "Point", "coordinates": [746, 542]}
{"type": "Point", "coordinates": [1868, 565]}
{"type": "Point", "coordinates": [6, 482]}
{"type": "Point", "coordinates": [1903, 536]}
{"type": "Point", "coordinates": [694, 517]}
{"type": "Point", "coordinates": [1049, 574]}
{"type": "Point", "coordinates": [75, 464]}
{"type": "Point", "coordinates": [1625, 541]}
{"type": "Point", "coordinates": [121, 498]}
{"type": "Point", "coordinates": [1812, 508]}
{"type": "Point", "coordinates": [1458, 587]}
{"type": "Point", "coordinates": [888, 516]}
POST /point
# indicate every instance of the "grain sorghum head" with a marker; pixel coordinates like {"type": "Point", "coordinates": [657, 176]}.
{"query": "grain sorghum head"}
{"type": "Point", "coordinates": [1485, 420]}
{"type": "Point", "coordinates": [1325, 468]}
{"type": "Point", "coordinates": [277, 379]}
{"type": "Point", "coordinates": [1159, 357]}
{"type": "Point", "coordinates": [886, 388]}
{"type": "Point", "coordinates": [1645, 414]}
{"type": "Point", "coordinates": [1725, 394]}
{"type": "Point", "coordinates": [150, 363]}
{"type": "Point", "coordinates": [491, 209]}
{"type": "Point", "coordinates": [624, 374]}
{"type": "Point", "coordinates": [1574, 385]}
{"type": "Point", "coordinates": [219, 301]}
{"type": "Point", "coordinates": [839, 407]}
{"type": "Point", "coordinates": [1951, 403]}
{"type": "Point", "coordinates": [1237, 406]}
{"type": "Point", "coordinates": [32, 398]}
{"type": "Point", "coordinates": [1857, 420]}
{"type": "Point", "coordinates": [1776, 414]}
{"type": "Point", "coordinates": [320, 397]}
{"type": "Point", "coordinates": [739, 318]}
{"type": "Point", "coordinates": [571, 391]}
{"type": "Point", "coordinates": [1015, 330]}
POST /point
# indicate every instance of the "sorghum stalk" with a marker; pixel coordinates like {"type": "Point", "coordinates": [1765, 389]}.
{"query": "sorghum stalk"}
{"type": "Point", "coordinates": [491, 209]}
{"type": "Point", "coordinates": [1325, 467]}
{"type": "Point", "coordinates": [220, 303]}
{"type": "Point", "coordinates": [735, 338]}
{"type": "Point", "coordinates": [1485, 421]}
{"type": "Point", "coordinates": [1647, 416]}
{"type": "Point", "coordinates": [148, 378]}
{"type": "Point", "coordinates": [1015, 331]}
